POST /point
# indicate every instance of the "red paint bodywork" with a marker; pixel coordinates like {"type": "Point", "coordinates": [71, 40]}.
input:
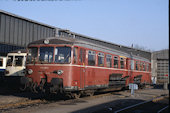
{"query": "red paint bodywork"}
{"type": "Point", "coordinates": [82, 75]}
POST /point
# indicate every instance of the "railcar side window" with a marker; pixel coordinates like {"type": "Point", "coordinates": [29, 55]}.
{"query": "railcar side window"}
{"type": "Point", "coordinates": [147, 67]}
{"type": "Point", "coordinates": [10, 61]}
{"type": "Point", "coordinates": [75, 54]}
{"type": "Point", "coordinates": [144, 67]}
{"type": "Point", "coordinates": [1, 62]}
{"type": "Point", "coordinates": [18, 60]}
{"type": "Point", "coordinates": [46, 54]}
{"type": "Point", "coordinates": [121, 63]}
{"type": "Point", "coordinates": [115, 62]}
{"type": "Point", "coordinates": [140, 66]}
{"type": "Point", "coordinates": [137, 65]}
{"type": "Point", "coordinates": [91, 58]}
{"type": "Point", "coordinates": [132, 64]}
{"type": "Point", "coordinates": [109, 60]}
{"type": "Point", "coordinates": [82, 55]}
{"type": "Point", "coordinates": [62, 55]}
{"type": "Point", "coordinates": [100, 59]}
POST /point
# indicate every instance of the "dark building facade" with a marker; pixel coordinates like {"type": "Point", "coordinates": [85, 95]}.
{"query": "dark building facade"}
{"type": "Point", "coordinates": [160, 66]}
{"type": "Point", "coordinates": [16, 32]}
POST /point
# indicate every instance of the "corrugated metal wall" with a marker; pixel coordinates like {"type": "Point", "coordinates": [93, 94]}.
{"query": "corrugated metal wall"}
{"type": "Point", "coordinates": [20, 32]}
{"type": "Point", "coordinates": [17, 31]}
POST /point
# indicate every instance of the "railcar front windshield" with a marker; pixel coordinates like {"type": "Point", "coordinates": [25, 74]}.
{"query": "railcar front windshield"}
{"type": "Point", "coordinates": [46, 54]}
{"type": "Point", "coordinates": [62, 55]}
{"type": "Point", "coordinates": [10, 61]}
{"type": "Point", "coordinates": [18, 61]}
{"type": "Point", "coordinates": [32, 54]}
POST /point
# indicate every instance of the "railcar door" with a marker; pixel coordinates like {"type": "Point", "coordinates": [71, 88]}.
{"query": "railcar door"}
{"type": "Point", "coordinates": [82, 57]}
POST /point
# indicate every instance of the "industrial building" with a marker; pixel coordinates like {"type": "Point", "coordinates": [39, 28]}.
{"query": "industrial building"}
{"type": "Point", "coordinates": [16, 32]}
{"type": "Point", "coordinates": [160, 66]}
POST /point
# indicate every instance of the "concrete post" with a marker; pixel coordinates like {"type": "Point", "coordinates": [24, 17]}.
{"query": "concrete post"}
{"type": "Point", "coordinates": [165, 86]}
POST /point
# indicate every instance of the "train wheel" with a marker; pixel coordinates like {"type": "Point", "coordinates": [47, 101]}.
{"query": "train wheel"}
{"type": "Point", "coordinates": [91, 94]}
{"type": "Point", "coordinates": [76, 95]}
{"type": "Point", "coordinates": [23, 87]}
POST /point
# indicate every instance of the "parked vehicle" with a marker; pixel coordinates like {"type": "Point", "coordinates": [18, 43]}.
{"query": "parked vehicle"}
{"type": "Point", "coordinates": [2, 66]}
{"type": "Point", "coordinates": [76, 67]}
{"type": "Point", "coordinates": [16, 63]}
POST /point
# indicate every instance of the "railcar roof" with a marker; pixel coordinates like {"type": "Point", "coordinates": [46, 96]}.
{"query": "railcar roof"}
{"type": "Point", "coordinates": [96, 46]}
{"type": "Point", "coordinates": [54, 40]}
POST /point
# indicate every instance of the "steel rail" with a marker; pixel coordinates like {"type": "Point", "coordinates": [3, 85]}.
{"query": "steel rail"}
{"type": "Point", "coordinates": [163, 109]}
{"type": "Point", "coordinates": [151, 100]}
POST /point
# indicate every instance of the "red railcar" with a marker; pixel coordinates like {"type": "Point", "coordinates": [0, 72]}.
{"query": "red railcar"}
{"type": "Point", "coordinates": [75, 67]}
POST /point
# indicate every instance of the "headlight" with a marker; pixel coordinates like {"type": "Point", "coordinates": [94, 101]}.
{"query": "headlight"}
{"type": "Point", "coordinates": [60, 72]}
{"type": "Point", "coordinates": [30, 71]}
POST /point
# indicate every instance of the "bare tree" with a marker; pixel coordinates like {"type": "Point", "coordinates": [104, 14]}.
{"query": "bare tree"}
{"type": "Point", "coordinates": [136, 46]}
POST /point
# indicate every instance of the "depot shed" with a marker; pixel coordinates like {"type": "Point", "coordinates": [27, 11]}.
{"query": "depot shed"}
{"type": "Point", "coordinates": [16, 32]}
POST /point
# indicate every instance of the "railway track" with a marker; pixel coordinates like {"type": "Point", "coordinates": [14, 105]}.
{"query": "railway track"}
{"type": "Point", "coordinates": [21, 104]}
{"type": "Point", "coordinates": [156, 105]}
{"type": "Point", "coordinates": [48, 99]}
{"type": "Point", "coordinates": [65, 101]}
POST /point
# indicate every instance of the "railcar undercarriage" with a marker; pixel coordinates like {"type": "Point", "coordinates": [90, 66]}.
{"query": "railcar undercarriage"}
{"type": "Point", "coordinates": [116, 82]}
{"type": "Point", "coordinates": [137, 80]}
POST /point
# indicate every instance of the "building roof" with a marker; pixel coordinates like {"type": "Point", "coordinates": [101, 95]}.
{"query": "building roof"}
{"type": "Point", "coordinates": [86, 44]}
{"type": "Point", "coordinates": [129, 50]}
{"type": "Point", "coordinates": [162, 54]}
{"type": "Point", "coordinates": [23, 18]}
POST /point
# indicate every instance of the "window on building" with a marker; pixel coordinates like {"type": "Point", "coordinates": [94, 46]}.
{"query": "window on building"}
{"type": "Point", "coordinates": [109, 60]}
{"type": "Point", "coordinates": [115, 62]}
{"type": "Point", "coordinates": [75, 54]}
{"type": "Point", "coordinates": [82, 55]}
{"type": "Point", "coordinates": [100, 59]}
{"type": "Point", "coordinates": [91, 58]}
{"type": "Point", "coordinates": [122, 63]}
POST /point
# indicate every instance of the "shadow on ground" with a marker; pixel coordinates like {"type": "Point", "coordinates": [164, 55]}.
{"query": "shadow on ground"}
{"type": "Point", "coordinates": [119, 104]}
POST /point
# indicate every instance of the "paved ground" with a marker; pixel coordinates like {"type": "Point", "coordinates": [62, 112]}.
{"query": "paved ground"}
{"type": "Point", "coordinates": [107, 102]}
